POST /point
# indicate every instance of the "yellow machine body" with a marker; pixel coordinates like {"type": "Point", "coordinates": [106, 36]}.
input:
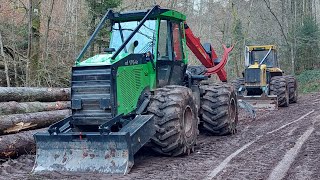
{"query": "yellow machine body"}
{"type": "Point", "coordinates": [260, 65]}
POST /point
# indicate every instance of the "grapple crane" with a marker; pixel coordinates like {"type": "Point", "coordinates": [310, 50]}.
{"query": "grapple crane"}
{"type": "Point", "coordinates": [207, 55]}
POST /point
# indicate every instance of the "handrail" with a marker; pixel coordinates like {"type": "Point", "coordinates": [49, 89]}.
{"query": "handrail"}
{"type": "Point", "coordinates": [103, 20]}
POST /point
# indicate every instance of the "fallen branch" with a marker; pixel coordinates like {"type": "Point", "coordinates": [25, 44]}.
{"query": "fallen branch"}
{"type": "Point", "coordinates": [14, 145]}
{"type": "Point", "coordinates": [14, 107]}
{"type": "Point", "coordinates": [29, 94]}
{"type": "Point", "coordinates": [17, 122]}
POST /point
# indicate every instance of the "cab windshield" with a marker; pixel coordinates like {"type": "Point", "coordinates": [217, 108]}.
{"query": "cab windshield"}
{"type": "Point", "coordinates": [259, 55]}
{"type": "Point", "coordinates": [146, 36]}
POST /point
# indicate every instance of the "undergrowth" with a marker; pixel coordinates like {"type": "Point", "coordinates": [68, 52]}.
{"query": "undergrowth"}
{"type": "Point", "coordinates": [309, 81]}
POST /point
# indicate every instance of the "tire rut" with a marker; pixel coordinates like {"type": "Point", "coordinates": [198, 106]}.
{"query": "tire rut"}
{"type": "Point", "coordinates": [260, 158]}
{"type": "Point", "coordinates": [255, 162]}
{"type": "Point", "coordinates": [307, 164]}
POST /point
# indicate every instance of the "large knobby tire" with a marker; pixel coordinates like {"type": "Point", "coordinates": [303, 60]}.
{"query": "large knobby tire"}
{"type": "Point", "coordinates": [293, 88]}
{"type": "Point", "coordinates": [279, 87]}
{"type": "Point", "coordinates": [176, 120]}
{"type": "Point", "coordinates": [237, 83]}
{"type": "Point", "coordinates": [219, 109]}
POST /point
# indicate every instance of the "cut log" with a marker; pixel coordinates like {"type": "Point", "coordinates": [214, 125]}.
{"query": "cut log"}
{"type": "Point", "coordinates": [14, 107]}
{"type": "Point", "coordinates": [17, 122]}
{"type": "Point", "coordinates": [29, 94]}
{"type": "Point", "coordinates": [14, 145]}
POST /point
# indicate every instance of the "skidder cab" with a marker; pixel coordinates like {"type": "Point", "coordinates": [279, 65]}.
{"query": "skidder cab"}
{"type": "Point", "coordinates": [138, 90]}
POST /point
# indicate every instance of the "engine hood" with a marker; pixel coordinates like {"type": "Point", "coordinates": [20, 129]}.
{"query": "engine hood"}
{"type": "Point", "coordinates": [101, 59]}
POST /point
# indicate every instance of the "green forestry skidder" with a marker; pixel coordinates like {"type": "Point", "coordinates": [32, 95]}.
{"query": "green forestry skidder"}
{"type": "Point", "coordinates": [140, 89]}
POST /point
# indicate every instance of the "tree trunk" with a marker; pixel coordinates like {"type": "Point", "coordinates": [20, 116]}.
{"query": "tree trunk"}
{"type": "Point", "coordinates": [14, 145]}
{"type": "Point", "coordinates": [92, 25]}
{"type": "Point", "coordinates": [292, 59]}
{"type": "Point", "coordinates": [5, 62]}
{"type": "Point", "coordinates": [2, 78]}
{"type": "Point", "coordinates": [27, 94]}
{"type": "Point", "coordinates": [236, 37]}
{"type": "Point", "coordinates": [186, 6]}
{"type": "Point", "coordinates": [29, 43]}
{"type": "Point", "coordinates": [13, 107]}
{"type": "Point", "coordinates": [17, 122]}
{"type": "Point", "coordinates": [35, 42]}
{"type": "Point", "coordinates": [45, 59]}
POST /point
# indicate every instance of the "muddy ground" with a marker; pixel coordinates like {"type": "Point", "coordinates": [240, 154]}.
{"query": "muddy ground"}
{"type": "Point", "coordinates": [283, 144]}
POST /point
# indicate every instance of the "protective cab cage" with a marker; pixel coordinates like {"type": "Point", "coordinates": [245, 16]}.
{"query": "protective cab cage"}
{"type": "Point", "coordinates": [86, 149]}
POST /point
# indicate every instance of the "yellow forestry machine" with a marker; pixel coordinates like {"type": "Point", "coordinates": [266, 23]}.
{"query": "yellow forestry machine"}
{"type": "Point", "coordinates": [264, 85]}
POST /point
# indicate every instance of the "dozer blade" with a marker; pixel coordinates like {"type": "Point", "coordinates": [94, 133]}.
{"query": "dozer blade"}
{"type": "Point", "coordinates": [263, 102]}
{"type": "Point", "coordinates": [93, 152]}
{"type": "Point", "coordinates": [246, 106]}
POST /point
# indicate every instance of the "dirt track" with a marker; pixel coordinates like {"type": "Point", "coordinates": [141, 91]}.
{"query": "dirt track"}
{"type": "Point", "coordinates": [278, 144]}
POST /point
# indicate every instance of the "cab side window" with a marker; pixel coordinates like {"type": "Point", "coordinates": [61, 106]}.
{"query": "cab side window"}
{"type": "Point", "coordinates": [170, 67]}
{"type": "Point", "coordinates": [163, 46]}
{"type": "Point", "coordinates": [177, 44]}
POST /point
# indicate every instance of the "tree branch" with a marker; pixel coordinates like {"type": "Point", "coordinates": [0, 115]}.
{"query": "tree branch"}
{"type": "Point", "coordinates": [274, 15]}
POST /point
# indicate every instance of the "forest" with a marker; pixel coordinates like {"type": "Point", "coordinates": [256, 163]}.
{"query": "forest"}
{"type": "Point", "coordinates": [191, 90]}
{"type": "Point", "coordinates": [40, 40]}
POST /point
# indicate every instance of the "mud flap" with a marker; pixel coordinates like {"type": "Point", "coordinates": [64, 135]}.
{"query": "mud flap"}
{"type": "Point", "coordinates": [263, 102]}
{"type": "Point", "coordinates": [91, 151]}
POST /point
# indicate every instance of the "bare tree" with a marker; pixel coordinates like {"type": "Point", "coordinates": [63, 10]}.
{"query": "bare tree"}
{"type": "Point", "coordinates": [34, 41]}
{"type": "Point", "coordinates": [5, 62]}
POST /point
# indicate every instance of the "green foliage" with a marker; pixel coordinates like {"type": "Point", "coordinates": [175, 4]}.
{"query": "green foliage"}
{"type": "Point", "coordinates": [97, 9]}
{"type": "Point", "coordinates": [308, 47]}
{"type": "Point", "coordinates": [309, 81]}
{"type": "Point", "coordinates": [100, 7]}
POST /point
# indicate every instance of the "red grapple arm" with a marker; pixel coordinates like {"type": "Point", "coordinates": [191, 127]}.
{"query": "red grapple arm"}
{"type": "Point", "coordinates": [198, 50]}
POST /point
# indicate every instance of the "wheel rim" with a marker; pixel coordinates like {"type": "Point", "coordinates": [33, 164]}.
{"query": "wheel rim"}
{"type": "Point", "coordinates": [232, 114]}
{"type": "Point", "coordinates": [188, 120]}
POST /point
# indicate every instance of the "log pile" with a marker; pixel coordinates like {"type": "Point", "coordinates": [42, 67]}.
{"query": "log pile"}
{"type": "Point", "coordinates": [25, 111]}
{"type": "Point", "coordinates": [13, 145]}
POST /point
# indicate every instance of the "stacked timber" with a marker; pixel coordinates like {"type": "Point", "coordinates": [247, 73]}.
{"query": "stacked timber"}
{"type": "Point", "coordinates": [25, 111]}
